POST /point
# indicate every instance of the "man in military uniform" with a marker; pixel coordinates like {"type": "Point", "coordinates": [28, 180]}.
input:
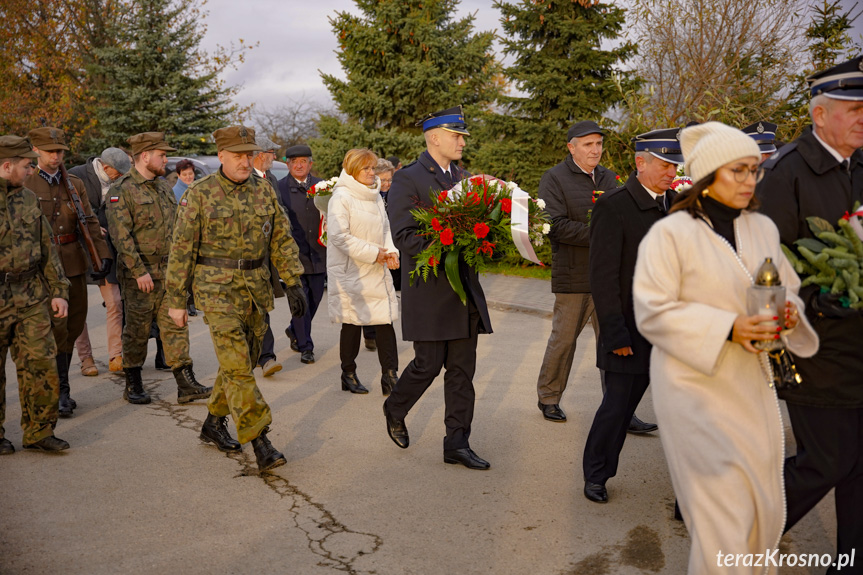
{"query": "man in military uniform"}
{"type": "Point", "coordinates": [57, 205]}
{"type": "Point", "coordinates": [141, 211]}
{"type": "Point", "coordinates": [227, 225]}
{"type": "Point", "coordinates": [821, 174]}
{"type": "Point", "coordinates": [30, 273]}
{"type": "Point", "coordinates": [764, 133]}
{"type": "Point", "coordinates": [305, 228]}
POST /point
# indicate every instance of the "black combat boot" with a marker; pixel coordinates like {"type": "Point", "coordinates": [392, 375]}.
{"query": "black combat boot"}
{"type": "Point", "coordinates": [265, 454]}
{"type": "Point", "coordinates": [188, 388]}
{"type": "Point", "coordinates": [134, 392]}
{"type": "Point", "coordinates": [388, 381]}
{"type": "Point", "coordinates": [215, 430]}
{"type": "Point", "coordinates": [66, 406]}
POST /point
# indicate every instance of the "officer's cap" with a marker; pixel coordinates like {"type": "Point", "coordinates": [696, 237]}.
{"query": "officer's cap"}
{"type": "Point", "coordinates": [266, 144]}
{"type": "Point", "coordinates": [238, 139]}
{"type": "Point", "coordinates": [451, 120]}
{"type": "Point", "coordinates": [298, 151]}
{"type": "Point", "coordinates": [841, 82]}
{"type": "Point", "coordinates": [149, 141]}
{"type": "Point", "coordinates": [764, 133]}
{"type": "Point", "coordinates": [664, 144]}
{"type": "Point", "coordinates": [16, 147]}
{"type": "Point", "coordinates": [583, 128]}
{"type": "Point", "coordinates": [48, 139]}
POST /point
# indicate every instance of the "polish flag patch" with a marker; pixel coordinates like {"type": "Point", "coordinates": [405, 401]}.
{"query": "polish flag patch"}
{"type": "Point", "coordinates": [183, 202]}
{"type": "Point", "coordinates": [114, 199]}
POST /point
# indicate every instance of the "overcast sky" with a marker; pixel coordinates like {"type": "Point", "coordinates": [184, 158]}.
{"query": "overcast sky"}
{"type": "Point", "coordinates": [296, 41]}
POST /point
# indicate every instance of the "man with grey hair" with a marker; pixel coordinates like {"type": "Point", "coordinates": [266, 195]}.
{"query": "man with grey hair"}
{"type": "Point", "coordinates": [820, 174]}
{"type": "Point", "coordinates": [98, 173]}
{"type": "Point", "coordinates": [568, 191]}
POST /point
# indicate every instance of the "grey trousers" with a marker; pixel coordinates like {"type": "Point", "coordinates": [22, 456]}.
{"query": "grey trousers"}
{"type": "Point", "coordinates": [571, 313]}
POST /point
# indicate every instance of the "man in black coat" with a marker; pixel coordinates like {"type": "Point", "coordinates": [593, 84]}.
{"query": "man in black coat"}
{"type": "Point", "coordinates": [620, 219]}
{"type": "Point", "coordinates": [305, 227]}
{"type": "Point", "coordinates": [821, 174]}
{"type": "Point", "coordinates": [444, 330]}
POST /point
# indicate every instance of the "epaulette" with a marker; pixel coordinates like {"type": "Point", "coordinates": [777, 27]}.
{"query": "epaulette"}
{"type": "Point", "coordinates": [771, 162]}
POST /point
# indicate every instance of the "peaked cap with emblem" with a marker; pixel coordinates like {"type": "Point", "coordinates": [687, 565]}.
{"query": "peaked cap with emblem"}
{"type": "Point", "coordinates": [841, 82]}
{"type": "Point", "coordinates": [451, 120]}
{"type": "Point", "coordinates": [149, 141]}
{"type": "Point", "coordinates": [664, 144]}
{"type": "Point", "coordinates": [48, 139]}
{"type": "Point", "coordinates": [764, 133]}
{"type": "Point", "coordinates": [236, 139]}
{"type": "Point", "coordinates": [16, 147]}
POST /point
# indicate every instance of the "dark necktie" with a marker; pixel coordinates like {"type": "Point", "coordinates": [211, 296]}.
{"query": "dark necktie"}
{"type": "Point", "coordinates": [844, 166]}
{"type": "Point", "coordinates": [447, 177]}
{"type": "Point", "coordinates": [660, 201]}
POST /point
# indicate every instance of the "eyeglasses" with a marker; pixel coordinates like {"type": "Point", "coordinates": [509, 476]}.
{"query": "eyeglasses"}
{"type": "Point", "coordinates": [386, 181]}
{"type": "Point", "coordinates": [742, 173]}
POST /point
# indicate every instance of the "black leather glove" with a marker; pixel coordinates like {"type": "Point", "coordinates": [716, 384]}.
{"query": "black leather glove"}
{"type": "Point", "coordinates": [297, 300]}
{"type": "Point", "coordinates": [828, 305]}
{"type": "Point", "coordinates": [106, 268]}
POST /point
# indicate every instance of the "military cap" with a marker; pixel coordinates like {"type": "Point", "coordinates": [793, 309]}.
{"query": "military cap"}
{"type": "Point", "coordinates": [266, 144]}
{"type": "Point", "coordinates": [48, 139]}
{"type": "Point", "coordinates": [664, 144]}
{"type": "Point", "coordinates": [236, 139]}
{"type": "Point", "coordinates": [764, 134]}
{"type": "Point", "coordinates": [583, 128]}
{"type": "Point", "coordinates": [149, 141]}
{"type": "Point", "coordinates": [298, 151]}
{"type": "Point", "coordinates": [451, 120]}
{"type": "Point", "coordinates": [841, 82]}
{"type": "Point", "coordinates": [116, 158]}
{"type": "Point", "coordinates": [16, 147]}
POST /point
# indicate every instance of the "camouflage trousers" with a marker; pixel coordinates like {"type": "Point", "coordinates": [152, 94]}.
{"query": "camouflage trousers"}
{"type": "Point", "coordinates": [141, 309]}
{"type": "Point", "coordinates": [66, 330]}
{"type": "Point", "coordinates": [26, 333]}
{"type": "Point", "coordinates": [237, 337]}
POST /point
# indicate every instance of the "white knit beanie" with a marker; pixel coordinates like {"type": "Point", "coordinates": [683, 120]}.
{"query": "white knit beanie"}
{"type": "Point", "coordinates": [709, 146]}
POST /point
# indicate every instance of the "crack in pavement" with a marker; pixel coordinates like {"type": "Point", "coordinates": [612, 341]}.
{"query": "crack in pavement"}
{"type": "Point", "coordinates": [337, 545]}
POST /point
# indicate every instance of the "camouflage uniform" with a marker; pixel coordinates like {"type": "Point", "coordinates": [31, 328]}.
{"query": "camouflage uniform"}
{"type": "Point", "coordinates": [25, 317]}
{"type": "Point", "coordinates": [141, 216]}
{"type": "Point", "coordinates": [219, 218]}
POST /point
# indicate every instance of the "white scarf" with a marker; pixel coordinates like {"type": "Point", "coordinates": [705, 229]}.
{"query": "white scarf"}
{"type": "Point", "coordinates": [104, 180]}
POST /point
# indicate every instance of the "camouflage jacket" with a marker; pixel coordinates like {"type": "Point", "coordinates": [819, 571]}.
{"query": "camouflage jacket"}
{"type": "Point", "coordinates": [141, 216]}
{"type": "Point", "coordinates": [218, 218]}
{"type": "Point", "coordinates": [25, 241]}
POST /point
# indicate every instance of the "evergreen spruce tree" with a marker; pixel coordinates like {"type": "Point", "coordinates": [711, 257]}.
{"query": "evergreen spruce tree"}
{"type": "Point", "coordinates": [403, 59]}
{"type": "Point", "coordinates": [158, 79]}
{"type": "Point", "coordinates": [564, 76]}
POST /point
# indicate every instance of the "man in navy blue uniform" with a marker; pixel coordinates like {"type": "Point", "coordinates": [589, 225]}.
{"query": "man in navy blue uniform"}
{"type": "Point", "coordinates": [443, 329]}
{"type": "Point", "coordinates": [305, 227]}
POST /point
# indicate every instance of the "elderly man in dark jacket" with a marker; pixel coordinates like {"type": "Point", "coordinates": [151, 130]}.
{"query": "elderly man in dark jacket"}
{"type": "Point", "coordinates": [305, 227]}
{"type": "Point", "coordinates": [821, 174]}
{"type": "Point", "coordinates": [568, 192]}
{"type": "Point", "coordinates": [443, 329]}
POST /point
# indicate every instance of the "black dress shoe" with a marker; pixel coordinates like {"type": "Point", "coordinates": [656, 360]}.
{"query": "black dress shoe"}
{"type": "Point", "coordinates": [6, 447]}
{"type": "Point", "coordinates": [396, 429]}
{"type": "Point", "coordinates": [371, 344]}
{"type": "Point", "coordinates": [49, 443]}
{"type": "Point", "coordinates": [215, 430]}
{"type": "Point", "coordinates": [638, 426]}
{"type": "Point", "coordinates": [596, 492]}
{"type": "Point", "coordinates": [350, 382]}
{"type": "Point", "coordinates": [552, 412]}
{"type": "Point", "coordinates": [308, 356]}
{"type": "Point", "coordinates": [294, 345]}
{"type": "Point", "coordinates": [389, 378]}
{"type": "Point", "coordinates": [466, 457]}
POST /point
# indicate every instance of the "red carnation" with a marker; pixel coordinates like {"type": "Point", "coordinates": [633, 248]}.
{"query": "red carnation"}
{"type": "Point", "coordinates": [472, 198]}
{"type": "Point", "coordinates": [433, 261]}
{"type": "Point", "coordinates": [480, 230]}
{"type": "Point", "coordinates": [487, 248]}
{"type": "Point", "coordinates": [506, 205]}
{"type": "Point", "coordinates": [441, 197]}
{"type": "Point", "coordinates": [436, 225]}
{"type": "Point", "coordinates": [446, 237]}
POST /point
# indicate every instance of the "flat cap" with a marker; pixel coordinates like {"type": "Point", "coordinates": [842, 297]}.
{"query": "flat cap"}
{"type": "Point", "coordinates": [116, 158]}
{"type": "Point", "coordinates": [236, 139]}
{"type": "Point", "coordinates": [451, 120]}
{"type": "Point", "coordinates": [149, 141]}
{"type": "Point", "coordinates": [16, 147]}
{"type": "Point", "coordinates": [583, 128]}
{"type": "Point", "coordinates": [266, 144]}
{"type": "Point", "coordinates": [48, 139]}
{"type": "Point", "coordinates": [841, 82]}
{"type": "Point", "coordinates": [664, 144]}
{"type": "Point", "coordinates": [764, 134]}
{"type": "Point", "coordinates": [298, 151]}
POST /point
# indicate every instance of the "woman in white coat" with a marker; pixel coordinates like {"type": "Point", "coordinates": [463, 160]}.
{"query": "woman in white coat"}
{"type": "Point", "coordinates": [722, 431]}
{"type": "Point", "coordinates": [360, 253]}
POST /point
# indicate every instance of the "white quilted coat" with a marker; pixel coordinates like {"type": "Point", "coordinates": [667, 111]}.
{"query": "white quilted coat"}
{"type": "Point", "coordinates": [360, 291]}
